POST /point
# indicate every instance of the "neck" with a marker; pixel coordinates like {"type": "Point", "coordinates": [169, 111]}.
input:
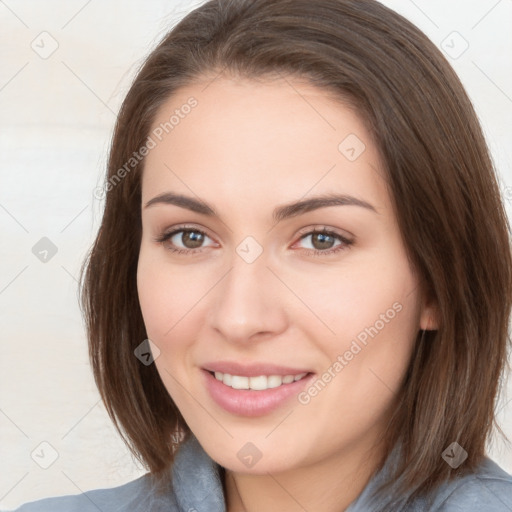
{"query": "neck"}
{"type": "Point", "coordinates": [330, 485]}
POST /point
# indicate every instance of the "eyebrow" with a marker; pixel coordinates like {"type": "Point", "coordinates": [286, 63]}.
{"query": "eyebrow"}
{"type": "Point", "coordinates": [280, 213]}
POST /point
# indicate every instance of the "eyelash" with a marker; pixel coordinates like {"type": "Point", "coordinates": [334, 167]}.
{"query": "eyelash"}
{"type": "Point", "coordinates": [345, 243]}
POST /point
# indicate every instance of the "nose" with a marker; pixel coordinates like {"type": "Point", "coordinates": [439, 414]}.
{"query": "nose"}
{"type": "Point", "coordinates": [249, 302]}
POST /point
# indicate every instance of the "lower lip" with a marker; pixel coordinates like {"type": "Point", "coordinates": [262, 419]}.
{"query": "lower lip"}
{"type": "Point", "coordinates": [248, 402]}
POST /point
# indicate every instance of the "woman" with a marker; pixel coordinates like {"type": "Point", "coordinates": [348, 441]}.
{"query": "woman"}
{"type": "Point", "coordinates": [299, 295]}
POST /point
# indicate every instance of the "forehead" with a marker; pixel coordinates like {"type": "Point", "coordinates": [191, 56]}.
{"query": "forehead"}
{"type": "Point", "coordinates": [259, 142]}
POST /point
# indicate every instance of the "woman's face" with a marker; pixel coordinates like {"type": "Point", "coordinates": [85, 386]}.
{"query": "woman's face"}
{"type": "Point", "coordinates": [243, 286]}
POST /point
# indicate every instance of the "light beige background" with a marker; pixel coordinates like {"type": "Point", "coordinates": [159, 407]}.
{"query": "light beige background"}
{"type": "Point", "coordinates": [56, 117]}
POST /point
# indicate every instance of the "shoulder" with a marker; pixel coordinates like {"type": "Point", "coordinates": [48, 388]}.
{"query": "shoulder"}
{"type": "Point", "coordinates": [139, 495]}
{"type": "Point", "coordinates": [488, 489]}
{"type": "Point", "coordinates": [193, 483]}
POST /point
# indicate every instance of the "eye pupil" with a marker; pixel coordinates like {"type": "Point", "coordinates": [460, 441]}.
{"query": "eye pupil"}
{"type": "Point", "coordinates": [194, 237]}
{"type": "Point", "coordinates": [325, 241]}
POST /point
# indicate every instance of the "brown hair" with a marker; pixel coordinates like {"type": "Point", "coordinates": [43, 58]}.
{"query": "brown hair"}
{"type": "Point", "coordinates": [441, 180]}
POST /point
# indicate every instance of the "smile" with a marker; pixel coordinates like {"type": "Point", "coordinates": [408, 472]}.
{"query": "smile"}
{"type": "Point", "coordinates": [254, 395]}
{"type": "Point", "coordinates": [258, 383]}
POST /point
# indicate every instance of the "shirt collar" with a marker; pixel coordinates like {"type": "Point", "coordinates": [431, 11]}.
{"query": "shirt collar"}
{"type": "Point", "coordinates": [197, 481]}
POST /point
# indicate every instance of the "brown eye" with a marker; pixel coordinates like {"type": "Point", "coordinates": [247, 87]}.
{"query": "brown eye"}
{"type": "Point", "coordinates": [183, 240]}
{"type": "Point", "coordinates": [191, 239]}
{"type": "Point", "coordinates": [325, 242]}
{"type": "Point", "coordinates": [322, 241]}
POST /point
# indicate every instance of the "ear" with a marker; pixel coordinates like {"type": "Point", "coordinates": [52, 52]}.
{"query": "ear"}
{"type": "Point", "coordinates": [429, 317]}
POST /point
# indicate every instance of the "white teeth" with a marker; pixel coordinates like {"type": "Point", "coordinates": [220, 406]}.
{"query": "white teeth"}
{"type": "Point", "coordinates": [274, 381]}
{"type": "Point", "coordinates": [238, 382]}
{"type": "Point", "coordinates": [259, 383]}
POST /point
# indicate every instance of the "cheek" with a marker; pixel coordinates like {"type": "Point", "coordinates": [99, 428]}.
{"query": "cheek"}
{"type": "Point", "coordinates": [372, 313]}
{"type": "Point", "coordinates": [153, 298]}
{"type": "Point", "coordinates": [357, 300]}
{"type": "Point", "coordinates": [166, 295]}
{"type": "Point", "coordinates": [376, 327]}
{"type": "Point", "coordinates": [364, 367]}
{"type": "Point", "coordinates": [166, 298]}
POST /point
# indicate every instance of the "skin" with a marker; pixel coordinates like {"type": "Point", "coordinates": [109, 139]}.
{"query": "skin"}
{"type": "Point", "coordinates": [246, 148]}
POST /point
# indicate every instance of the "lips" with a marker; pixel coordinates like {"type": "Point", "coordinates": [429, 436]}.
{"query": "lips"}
{"type": "Point", "coordinates": [253, 402]}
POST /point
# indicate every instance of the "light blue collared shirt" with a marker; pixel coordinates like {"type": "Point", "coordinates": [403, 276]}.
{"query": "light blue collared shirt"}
{"type": "Point", "coordinates": [197, 487]}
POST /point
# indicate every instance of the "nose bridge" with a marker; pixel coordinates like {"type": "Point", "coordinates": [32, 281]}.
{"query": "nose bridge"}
{"type": "Point", "coordinates": [247, 301]}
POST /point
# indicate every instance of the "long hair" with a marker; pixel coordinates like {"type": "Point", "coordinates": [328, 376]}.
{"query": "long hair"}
{"type": "Point", "coordinates": [441, 180]}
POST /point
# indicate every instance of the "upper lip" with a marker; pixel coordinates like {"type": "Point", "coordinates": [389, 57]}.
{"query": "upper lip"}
{"type": "Point", "coordinates": [253, 369]}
